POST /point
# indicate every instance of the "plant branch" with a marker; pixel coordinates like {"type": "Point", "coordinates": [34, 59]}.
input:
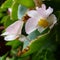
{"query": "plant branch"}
{"type": "Point", "coordinates": [38, 3]}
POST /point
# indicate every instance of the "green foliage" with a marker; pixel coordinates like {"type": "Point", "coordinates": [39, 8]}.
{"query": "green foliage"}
{"type": "Point", "coordinates": [3, 57]}
{"type": "Point", "coordinates": [27, 3]}
{"type": "Point", "coordinates": [6, 21]}
{"type": "Point", "coordinates": [7, 4]}
{"type": "Point", "coordinates": [14, 13]}
{"type": "Point", "coordinates": [40, 43]}
{"type": "Point", "coordinates": [14, 44]}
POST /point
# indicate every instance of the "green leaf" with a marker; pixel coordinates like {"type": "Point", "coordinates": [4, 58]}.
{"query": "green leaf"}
{"type": "Point", "coordinates": [3, 57]}
{"type": "Point", "coordinates": [6, 21]}
{"type": "Point", "coordinates": [57, 26]}
{"type": "Point", "coordinates": [14, 13]}
{"type": "Point", "coordinates": [15, 44]}
{"type": "Point", "coordinates": [27, 3]}
{"type": "Point", "coordinates": [21, 11]}
{"type": "Point", "coordinates": [7, 4]}
{"type": "Point", "coordinates": [33, 36]}
{"type": "Point", "coordinates": [57, 13]}
{"type": "Point", "coordinates": [45, 54]}
{"type": "Point", "coordinates": [43, 41]}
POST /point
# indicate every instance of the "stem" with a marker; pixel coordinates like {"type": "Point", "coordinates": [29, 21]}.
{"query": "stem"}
{"type": "Point", "coordinates": [38, 3]}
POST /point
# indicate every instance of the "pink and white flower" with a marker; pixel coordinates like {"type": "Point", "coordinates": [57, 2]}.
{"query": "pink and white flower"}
{"type": "Point", "coordinates": [13, 31]}
{"type": "Point", "coordinates": [41, 18]}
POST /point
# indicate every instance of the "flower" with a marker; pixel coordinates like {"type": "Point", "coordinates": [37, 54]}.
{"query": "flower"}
{"type": "Point", "coordinates": [13, 31]}
{"type": "Point", "coordinates": [40, 19]}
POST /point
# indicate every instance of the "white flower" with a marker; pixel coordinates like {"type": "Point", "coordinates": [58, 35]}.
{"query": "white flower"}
{"type": "Point", "coordinates": [41, 18]}
{"type": "Point", "coordinates": [13, 31]}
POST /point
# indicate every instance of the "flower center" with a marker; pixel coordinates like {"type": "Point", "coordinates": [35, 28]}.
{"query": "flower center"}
{"type": "Point", "coordinates": [43, 23]}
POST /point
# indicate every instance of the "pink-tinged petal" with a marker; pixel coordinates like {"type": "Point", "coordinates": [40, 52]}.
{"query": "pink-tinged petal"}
{"type": "Point", "coordinates": [33, 14]}
{"type": "Point", "coordinates": [49, 11]}
{"type": "Point", "coordinates": [10, 37]}
{"type": "Point", "coordinates": [52, 20]}
{"type": "Point", "coordinates": [41, 13]}
{"type": "Point", "coordinates": [31, 25]}
{"type": "Point", "coordinates": [5, 33]}
{"type": "Point", "coordinates": [15, 28]}
{"type": "Point", "coordinates": [43, 6]}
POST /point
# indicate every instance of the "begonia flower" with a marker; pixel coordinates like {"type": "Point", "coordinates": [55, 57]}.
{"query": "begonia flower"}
{"type": "Point", "coordinates": [13, 31]}
{"type": "Point", "coordinates": [40, 19]}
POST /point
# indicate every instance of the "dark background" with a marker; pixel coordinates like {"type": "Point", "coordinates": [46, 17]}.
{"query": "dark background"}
{"type": "Point", "coordinates": [3, 49]}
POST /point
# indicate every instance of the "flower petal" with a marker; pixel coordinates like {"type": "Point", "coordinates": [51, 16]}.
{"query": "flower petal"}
{"type": "Point", "coordinates": [41, 12]}
{"type": "Point", "coordinates": [22, 38]}
{"type": "Point", "coordinates": [52, 20]}
{"type": "Point", "coordinates": [33, 14]}
{"type": "Point", "coordinates": [43, 6]}
{"type": "Point", "coordinates": [15, 27]}
{"type": "Point", "coordinates": [49, 11]}
{"type": "Point", "coordinates": [31, 25]}
{"type": "Point", "coordinates": [41, 29]}
{"type": "Point", "coordinates": [10, 37]}
{"type": "Point", "coordinates": [5, 33]}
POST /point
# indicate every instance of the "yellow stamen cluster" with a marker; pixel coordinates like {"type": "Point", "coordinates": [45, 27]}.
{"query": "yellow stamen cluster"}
{"type": "Point", "coordinates": [43, 23]}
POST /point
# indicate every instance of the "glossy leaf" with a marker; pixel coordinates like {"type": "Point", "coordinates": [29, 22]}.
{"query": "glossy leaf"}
{"type": "Point", "coordinates": [41, 42]}
{"type": "Point", "coordinates": [27, 3]}
{"type": "Point", "coordinates": [14, 13]}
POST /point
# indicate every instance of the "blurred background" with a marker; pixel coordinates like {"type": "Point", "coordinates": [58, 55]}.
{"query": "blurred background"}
{"type": "Point", "coordinates": [3, 49]}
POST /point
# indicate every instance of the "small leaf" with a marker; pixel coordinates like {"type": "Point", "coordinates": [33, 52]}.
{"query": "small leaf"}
{"type": "Point", "coordinates": [3, 57]}
{"type": "Point", "coordinates": [14, 13]}
{"type": "Point", "coordinates": [7, 4]}
{"type": "Point", "coordinates": [15, 44]}
{"type": "Point", "coordinates": [27, 3]}
{"type": "Point", "coordinates": [6, 21]}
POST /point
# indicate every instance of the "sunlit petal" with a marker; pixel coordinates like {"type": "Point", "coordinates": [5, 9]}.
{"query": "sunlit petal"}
{"type": "Point", "coordinates": [15, 27]}
{"type": "Point", "coordinates": [31, 25]}
{"type": "Point", "coordinates": [10, 37]}
{"type": "Point", "coordinates": [33, 14]}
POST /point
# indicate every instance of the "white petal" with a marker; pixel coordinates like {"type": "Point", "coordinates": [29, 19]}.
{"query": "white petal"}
{"type": "Point", "coordinates": [43, 6]}
{"type": "Point", "coordinates": [22, 38]}
{"type": "Point", "coordinates": [10, 10]}
{"type": "Point", "coordinates": [15, 27]}
{"type": "Point", "coordinates": [33, 14]}
{"type": "Point", "coordinates": [41, 12]}
{"type": "Point", "coordinates": [52, 20]}
{"type": "Point", "coordinates": [41, 29]}
{"type": "Point", "coordinates": [10, 37]}
{"type": "Point", "coordinates": [31, 25]}
{"type": "Point", "coordinates": [49, 11]}
{"type": "Point", "coordinates": [5, 33]}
